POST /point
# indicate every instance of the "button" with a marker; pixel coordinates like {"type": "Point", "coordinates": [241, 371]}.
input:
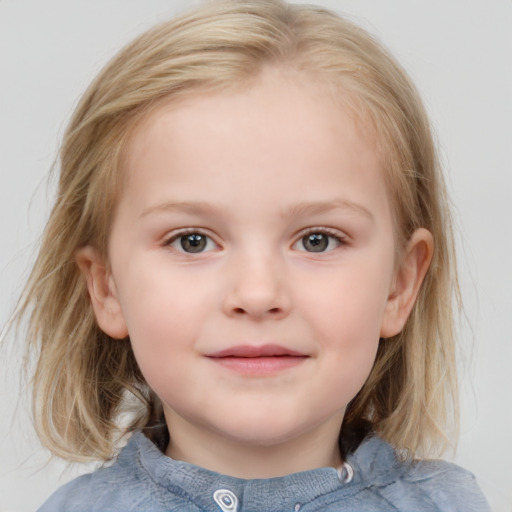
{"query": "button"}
{"type": "Point", "coordinates": [226, 500]}
{"type": "Point", "coordinates": [345, 473]}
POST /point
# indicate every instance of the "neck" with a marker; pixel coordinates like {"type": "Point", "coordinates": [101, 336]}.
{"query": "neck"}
{"type": "Point", "coordinates": [248, 460]}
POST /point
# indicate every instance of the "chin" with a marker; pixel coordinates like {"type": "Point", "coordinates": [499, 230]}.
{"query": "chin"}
{"type": "Point", "coordinates": [262, 432]}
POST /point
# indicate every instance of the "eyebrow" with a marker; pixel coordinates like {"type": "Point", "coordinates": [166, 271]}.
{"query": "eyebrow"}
{"type": "Point", "coordinates": [192, 207]}
{"type": "Point", "coordinates": [318, 207]}
{"type": "Point", "coordinates": [300, 209]}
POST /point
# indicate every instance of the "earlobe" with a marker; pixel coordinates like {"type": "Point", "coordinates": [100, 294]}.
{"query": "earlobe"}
{"type": "Point", "coordinates": [102, 292]}
{"type": "Point", "coordinates": [408, 278]}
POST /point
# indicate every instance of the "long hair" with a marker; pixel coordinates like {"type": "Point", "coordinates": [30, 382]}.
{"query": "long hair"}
{"type": "Point", "coordinates": [83, 380]}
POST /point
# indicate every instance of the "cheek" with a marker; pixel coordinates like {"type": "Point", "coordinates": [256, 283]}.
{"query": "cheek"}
{"type": "Point", "coordinates": [154, 295]}
{"type": "Point", "coordinates": [164, 312]}
{"type": "Point", "coordinates": [345, 309]}
{"type": "Point", "coordinates": [152, 313]}
{"type": "Point", "coordinates": [348, 303]}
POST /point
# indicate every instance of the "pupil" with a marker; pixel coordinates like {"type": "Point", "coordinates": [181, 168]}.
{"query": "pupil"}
{"type": "Point", "coordinates": [193, 242]}
{"type": "Point", "coordinates": [316, 242]}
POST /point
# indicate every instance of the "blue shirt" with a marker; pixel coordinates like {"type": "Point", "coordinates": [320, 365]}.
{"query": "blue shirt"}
{"type": "Point", "coordinates": [143, 479]}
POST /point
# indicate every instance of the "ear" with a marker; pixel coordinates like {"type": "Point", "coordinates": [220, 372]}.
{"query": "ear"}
{"type": "Point", "coordinates": [406, 285]}
{"type": "Point", "coordinates": [103, 292]}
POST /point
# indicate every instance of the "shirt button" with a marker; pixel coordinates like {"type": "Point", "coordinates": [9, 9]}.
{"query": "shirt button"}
{"type": "Point", "coordinates": [345, 473]}
{"type": "Point", "coordinates": [226, 500]}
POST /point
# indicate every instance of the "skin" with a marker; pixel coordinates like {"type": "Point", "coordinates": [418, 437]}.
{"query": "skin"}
{"type": "Point", "coordinates": [256, 172]}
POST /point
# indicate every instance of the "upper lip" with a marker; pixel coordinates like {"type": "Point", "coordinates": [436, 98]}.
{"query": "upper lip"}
{"type": "Point", "coordinates": [269, 350]}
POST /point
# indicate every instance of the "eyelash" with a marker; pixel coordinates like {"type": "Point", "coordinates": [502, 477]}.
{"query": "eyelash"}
{"type": "Point", "coordinates": [329, 233]}
{"type": "Point", "coordinates": [168, 242]}
{"type": "Point", "coordinates": [340, 238]}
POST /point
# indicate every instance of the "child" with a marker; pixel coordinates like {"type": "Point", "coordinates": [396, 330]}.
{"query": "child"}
{"type": "Point", "coordinates": [250, 258]}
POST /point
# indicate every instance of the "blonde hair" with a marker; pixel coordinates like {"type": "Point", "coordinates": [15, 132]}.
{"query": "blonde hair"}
{"type": "Point", "coordinates": [83, 379]}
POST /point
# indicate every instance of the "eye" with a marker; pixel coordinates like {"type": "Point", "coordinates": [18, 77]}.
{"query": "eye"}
{"type": "Point", "coordinates": [318, 241]}
{"type": "Point", "coordinates": [192, 242]}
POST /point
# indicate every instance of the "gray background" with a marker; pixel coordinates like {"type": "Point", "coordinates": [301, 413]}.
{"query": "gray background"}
{"type": "Point", "coordinates": [459, 52]}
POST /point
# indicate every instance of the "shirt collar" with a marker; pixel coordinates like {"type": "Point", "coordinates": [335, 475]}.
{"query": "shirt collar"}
{"type": "Point", "coordinates": [374, 462]}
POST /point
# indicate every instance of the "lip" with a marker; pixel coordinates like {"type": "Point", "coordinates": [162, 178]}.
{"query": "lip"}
{"type": "Point", "coordinates": [258, 359]}
{"type": "Point", "coordinates": [252, 351]}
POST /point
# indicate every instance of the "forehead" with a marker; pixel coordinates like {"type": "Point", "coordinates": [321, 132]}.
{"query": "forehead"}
{"type": "Point", "coordinates": [267, 135]}
{"type": "Point", "coordinates": [305, 94]}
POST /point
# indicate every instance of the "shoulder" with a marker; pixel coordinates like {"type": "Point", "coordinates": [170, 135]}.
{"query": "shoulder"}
{"type": "Point", "coordinates": [70, 497]}
{"type": "Point", "coordinates": [427, 485]}
{"type": "Point", "coordinates": [121, 487]}
{"type": "Point", "coordinates": [107, 489]}
{"type": "Point", "coordinates": [449, 486]}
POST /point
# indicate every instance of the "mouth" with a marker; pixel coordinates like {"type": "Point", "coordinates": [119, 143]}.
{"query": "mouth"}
{"type": "Point", "coordinates": [258, 360]}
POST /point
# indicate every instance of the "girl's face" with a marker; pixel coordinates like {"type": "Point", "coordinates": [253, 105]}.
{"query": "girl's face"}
{"type": "Point", "coordinates": [252, 265]}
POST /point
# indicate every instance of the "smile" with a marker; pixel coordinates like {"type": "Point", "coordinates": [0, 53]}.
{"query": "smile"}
{"type": "Point", "coordinates": [258, 360]}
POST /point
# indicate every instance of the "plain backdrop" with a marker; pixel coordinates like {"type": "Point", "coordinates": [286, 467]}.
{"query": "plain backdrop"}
{"type": "Point", "coordinates": [459, 52]}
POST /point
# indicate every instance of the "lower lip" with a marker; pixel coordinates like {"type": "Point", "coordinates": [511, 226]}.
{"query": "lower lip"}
{"type": "Point", "coordinates": [267, 365]}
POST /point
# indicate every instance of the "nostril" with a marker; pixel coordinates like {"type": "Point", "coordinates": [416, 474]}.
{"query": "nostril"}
{"type": "Point", "coordinates": [271, 311]}
{"type": "Point", "coordinates": [256, 301]}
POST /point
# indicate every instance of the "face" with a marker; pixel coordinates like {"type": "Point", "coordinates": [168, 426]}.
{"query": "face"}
{"type": "Point", "coordinates": [252, 261]}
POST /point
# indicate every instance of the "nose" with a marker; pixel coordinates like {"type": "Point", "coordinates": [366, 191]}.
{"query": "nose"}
{"type": "Point", "coordinates": [257, 288]}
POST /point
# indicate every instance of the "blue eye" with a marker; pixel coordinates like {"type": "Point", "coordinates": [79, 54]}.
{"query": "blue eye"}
{"type": "Point", "coordinates": [192, 243]}
{"type": "Point", "coordinates": [318, 241]}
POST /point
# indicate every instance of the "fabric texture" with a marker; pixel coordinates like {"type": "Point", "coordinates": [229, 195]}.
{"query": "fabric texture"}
{"type": "Point", "coordinates": [143, 479]}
